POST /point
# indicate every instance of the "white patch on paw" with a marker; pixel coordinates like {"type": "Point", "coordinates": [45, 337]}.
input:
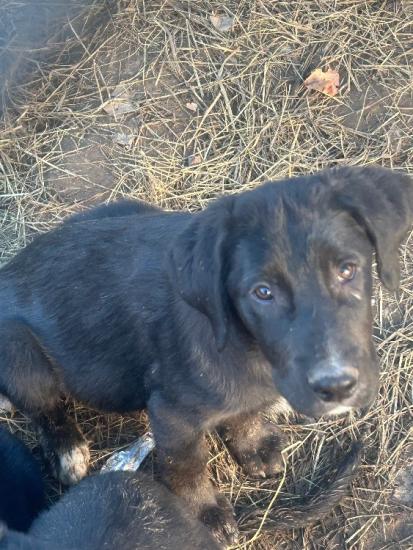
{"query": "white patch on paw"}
{"type": "Point", "coordinates": [340, 409]}
{"type": "Point", "coordinates": [6, 406]}
{"type": "Point", "coordinates": [74, 464]}
{"type": "Point", "coordinates": [281, 406]}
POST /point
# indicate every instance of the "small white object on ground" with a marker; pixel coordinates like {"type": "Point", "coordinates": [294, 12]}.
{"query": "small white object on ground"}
{"type": "Point", "coordinates": [132, 457]}
{"type": "Point", "coordinates": [6, 406]}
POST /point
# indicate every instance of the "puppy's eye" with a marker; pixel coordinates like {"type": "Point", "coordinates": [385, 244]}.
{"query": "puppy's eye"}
{"type": "Point", "coordinates": [263, 292]}
{"type": "Point", "coordinates": [346, 272]}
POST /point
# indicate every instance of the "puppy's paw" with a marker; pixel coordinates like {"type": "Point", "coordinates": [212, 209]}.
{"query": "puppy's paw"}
{"type": "Point", "coordinates": [260, 456]}
{"type": "Point", "coordinates": [73, 464]}
{"type": "Point", "coordinates": [220, 520]}
{"type": "Point", "coordinates": [66, 451]}
{"type": "Point", "coordinates": [254, 465]}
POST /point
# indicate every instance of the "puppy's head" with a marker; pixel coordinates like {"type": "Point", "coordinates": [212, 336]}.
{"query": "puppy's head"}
{"type": "Point", "coordinates": [289, 265]}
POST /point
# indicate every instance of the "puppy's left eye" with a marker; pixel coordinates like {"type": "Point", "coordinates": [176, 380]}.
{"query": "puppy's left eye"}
{"type": "Point", "coordinates": [346, 272]}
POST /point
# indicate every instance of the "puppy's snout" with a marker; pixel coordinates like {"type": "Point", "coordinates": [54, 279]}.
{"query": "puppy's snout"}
{"type": "Point", "coordinates": [332, 383]}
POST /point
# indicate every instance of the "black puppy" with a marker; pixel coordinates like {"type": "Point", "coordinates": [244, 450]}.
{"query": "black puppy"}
{"type": "Point", "coordinates": [205, 319]}
{"type": "Point", "coordinates": [128, 511]}
{"type": "Point", "coordinates": [21, 485]}
{"type": "Point", "coordinates": [115, 510]}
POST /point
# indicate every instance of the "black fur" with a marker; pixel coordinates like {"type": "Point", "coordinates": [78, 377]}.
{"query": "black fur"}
{"type": "Point", "coordinates": [115, 510]}
{"type": "Point", "coordinates": [21, 485]}
{"type": "Point", "coordinates": [129, 510]}
{"type": "Point", "coordinates": [158, 310]}
{"type": "Point", "coordinates": [117, 209]}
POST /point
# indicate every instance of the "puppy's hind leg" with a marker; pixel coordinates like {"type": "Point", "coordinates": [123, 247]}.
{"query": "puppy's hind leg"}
{"type": "Point", "coordinates": [29, 380]}
{"type": "Point", "coordinates": [63, 444]}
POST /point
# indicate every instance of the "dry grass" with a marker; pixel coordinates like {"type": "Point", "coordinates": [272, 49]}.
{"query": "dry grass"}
{"type": "Point", "coordinates": [254, 120]}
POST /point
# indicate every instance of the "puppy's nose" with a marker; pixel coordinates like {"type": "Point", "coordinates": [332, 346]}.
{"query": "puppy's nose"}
{"type": "Point", "coordinates": [333, 384]}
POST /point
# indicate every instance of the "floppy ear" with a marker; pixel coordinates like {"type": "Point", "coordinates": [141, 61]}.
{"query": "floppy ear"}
{"type": "Point", "coordinates": [197, 262]}
{"type": "Point", "coordinates": [381, 201]}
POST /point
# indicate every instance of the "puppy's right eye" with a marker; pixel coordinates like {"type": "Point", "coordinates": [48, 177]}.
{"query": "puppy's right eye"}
{"type": "Point", "coordinates": [263, 293]}
{"type": "Point", "coordinates": [346, 272]}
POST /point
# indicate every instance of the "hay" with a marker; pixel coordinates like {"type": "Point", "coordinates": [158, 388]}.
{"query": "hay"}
{"type": "Point", "coordinates": [157, 103]}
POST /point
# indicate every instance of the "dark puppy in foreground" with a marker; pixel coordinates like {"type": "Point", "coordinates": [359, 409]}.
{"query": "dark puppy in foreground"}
{"type": "Point", "coordinates": [123, 509]}
{"type": "Point", "coordinates": [115, 510]}
{"type": "Point", "coordinates": [206, 319]}
{"type": "Point", "coordinates": [128, 511]}
{"type": "Point", "coordinates": [21, 484]}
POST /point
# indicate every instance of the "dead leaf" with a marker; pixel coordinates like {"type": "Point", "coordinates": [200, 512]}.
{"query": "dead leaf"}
{"type": "Point", "coordinates": [222, 23]}
{"type": "Point", "coordinates": [326, 82]}
{"type": "Point", "coordinates": [192, 106]}
{"type": "Point", "coordinates": [124, 139]}
{"type": "Point", "coordinates": [193, 160]}
{"type": "Point", "coordinates": [120, 103]}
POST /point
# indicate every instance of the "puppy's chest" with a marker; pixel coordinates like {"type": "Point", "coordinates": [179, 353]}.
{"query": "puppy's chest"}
{"type": "Point", "coordinates": [233, 407]}
{"type": "Point", "coordinates": [251, 396]}
{"type": "Point", "coordinates": [236, 386]}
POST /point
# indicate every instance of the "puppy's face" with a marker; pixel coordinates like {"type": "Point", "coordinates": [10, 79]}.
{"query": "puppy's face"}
{"type": "Point", "coordinates": [288, 265]}
{"type": "Point", "coordinates": [300, 281]}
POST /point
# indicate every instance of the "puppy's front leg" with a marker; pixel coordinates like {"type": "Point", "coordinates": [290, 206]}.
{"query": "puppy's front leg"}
{"type": "Point", "coordinates": [182, 460]}
{"type": "Point", "coordinates": [255, 443]}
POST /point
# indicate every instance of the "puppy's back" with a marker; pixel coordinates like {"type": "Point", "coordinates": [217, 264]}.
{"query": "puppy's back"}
{"type": "Point", "coordinates": [121, 510]}
{"type": "Point", "coordinates": [118, 209]}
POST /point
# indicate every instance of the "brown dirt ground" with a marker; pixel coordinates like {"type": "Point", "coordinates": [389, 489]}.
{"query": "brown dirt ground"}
{"type": "Point", "coordinates": [99, 106]}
